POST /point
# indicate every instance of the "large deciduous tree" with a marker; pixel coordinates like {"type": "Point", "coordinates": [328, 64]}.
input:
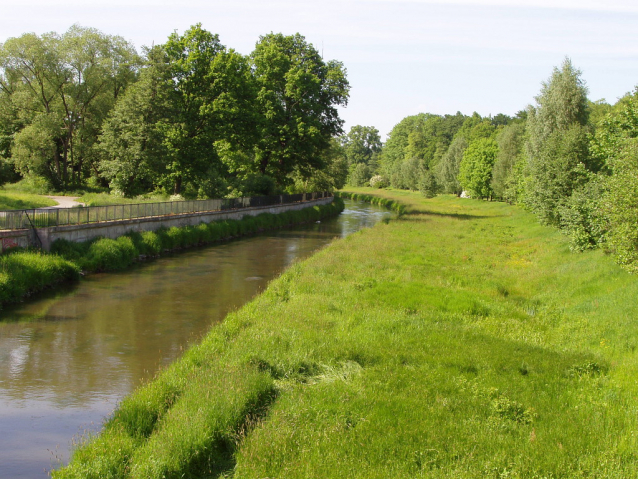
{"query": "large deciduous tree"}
{"type": "Point", "coordinates": [447, 170]}
{"type": "Point", "coordinates": [58, 89]}
{"type": "Point", "coordinates": [181, 126]}
{"type": "Point", "coordinates": [361, 144]}
{"type": "Point", "coordinates": [297, 99]}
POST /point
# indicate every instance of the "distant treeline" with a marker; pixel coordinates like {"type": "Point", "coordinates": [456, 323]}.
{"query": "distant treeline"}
{"type": "Point", "coordinates": [190, 117]}
{"type": "Point", "coordinates": [571, 161]}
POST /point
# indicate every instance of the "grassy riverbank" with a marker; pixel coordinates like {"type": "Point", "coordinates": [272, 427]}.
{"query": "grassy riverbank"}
{"type": "Point", "coordinates": [26, 272]}
{"type": "Point", "coordinates": [460, 340]}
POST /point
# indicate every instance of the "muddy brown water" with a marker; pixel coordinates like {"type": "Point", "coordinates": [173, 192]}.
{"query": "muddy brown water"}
{"type": "Point", "coordinates": [68, 357]}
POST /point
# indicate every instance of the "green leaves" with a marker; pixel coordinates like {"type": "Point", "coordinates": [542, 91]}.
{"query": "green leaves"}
{"type": "Point", "coordinates": [475, 174]}
{"type": "Point", "coordinates": [557, 145]}
{"type": "Point", "coordinates": [297, 98]}
{"type": "Point", "coordinates": [71, 80]}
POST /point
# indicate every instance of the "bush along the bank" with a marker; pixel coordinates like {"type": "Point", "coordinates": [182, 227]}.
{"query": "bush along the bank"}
{"type": "Point", "coordinates": [25, 272]}
{"type": "Point", "coordinates": [393, 205]}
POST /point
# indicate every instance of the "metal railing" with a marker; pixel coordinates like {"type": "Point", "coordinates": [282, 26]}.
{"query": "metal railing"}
{"type": "Point", "coordinates": [39, 218]}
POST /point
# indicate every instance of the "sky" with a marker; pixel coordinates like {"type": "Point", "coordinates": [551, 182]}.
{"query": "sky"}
{"type": "Point", "coordinates": [402, 57]}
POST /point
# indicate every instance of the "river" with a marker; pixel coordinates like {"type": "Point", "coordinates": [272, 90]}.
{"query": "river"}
{"type": "Point", "coordinates": [67, 357]}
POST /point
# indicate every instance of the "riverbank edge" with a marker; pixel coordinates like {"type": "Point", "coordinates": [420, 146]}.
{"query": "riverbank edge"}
{"type": "Point", "coordinates": [202, 416]}
{"type": "Point", "coordinates": [125, 446]}
{"type": "Point", "coordinates": [398, 207]}
{"type": "Point", "coordinates": [24, 273]}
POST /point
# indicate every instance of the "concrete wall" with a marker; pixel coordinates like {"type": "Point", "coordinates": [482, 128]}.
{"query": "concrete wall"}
{"type": "Point", "coordinates": [14, 238]}
{"type": "Point", "coordinates": [114, 229]}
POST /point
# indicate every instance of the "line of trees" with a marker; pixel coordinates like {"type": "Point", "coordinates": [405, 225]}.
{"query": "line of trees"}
{"type": "Point", "coordinates": [571, 161]}
{"type": "Point", "coordinates": [189, 117]}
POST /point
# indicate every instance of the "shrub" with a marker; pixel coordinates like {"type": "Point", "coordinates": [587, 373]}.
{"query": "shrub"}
{"type": "Point", "coordinates": [378, 181]}
{"type": "Point", "coordinates": [26, 272]}
{"type": "Point", "coordinates": [106, 254]}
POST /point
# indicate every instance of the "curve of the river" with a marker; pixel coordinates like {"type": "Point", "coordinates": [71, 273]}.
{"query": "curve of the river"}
{"type": "Point", "coordinates": [68, 357]}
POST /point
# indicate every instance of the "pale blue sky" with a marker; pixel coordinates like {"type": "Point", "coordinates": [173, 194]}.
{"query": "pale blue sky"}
{"type": "Point", "coordinates": [403, 57]}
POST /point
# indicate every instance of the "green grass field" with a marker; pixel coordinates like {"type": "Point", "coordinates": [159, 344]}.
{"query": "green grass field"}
{"type": "Point", "coordinates": [462, 340]}
{"type": "Point", "coordinates": [13, 200]}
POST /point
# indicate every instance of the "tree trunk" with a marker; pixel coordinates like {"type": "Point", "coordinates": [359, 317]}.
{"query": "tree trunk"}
{"type": "Point", "coordinates": [178, 186]}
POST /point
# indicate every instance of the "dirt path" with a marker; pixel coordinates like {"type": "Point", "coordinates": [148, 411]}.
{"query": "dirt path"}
{"type": "Point", "coordinates": [65, 202]}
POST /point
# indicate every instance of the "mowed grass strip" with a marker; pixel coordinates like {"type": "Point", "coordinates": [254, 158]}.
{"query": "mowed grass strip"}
{"type": "Point", "coordinates": [460, 340]}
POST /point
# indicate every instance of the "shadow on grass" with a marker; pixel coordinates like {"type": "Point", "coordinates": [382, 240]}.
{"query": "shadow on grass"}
{"type": "Point", "coordinates": [221, 461]}
{"type": "Point", "coordinates": [458, 216]}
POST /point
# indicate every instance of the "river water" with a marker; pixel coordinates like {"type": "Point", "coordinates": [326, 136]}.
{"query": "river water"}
{"type": "Point", "coordinates": [68, 357]}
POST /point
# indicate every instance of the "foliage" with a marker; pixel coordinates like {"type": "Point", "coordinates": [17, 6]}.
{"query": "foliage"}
{"type": "Point", "coordinates": [614, 146]}
{"type": "Point", "coordinates": [359, 174]}
{"type": "Point", "coordinates": [476, 127]}
{"type": "Point", "coordinates": [510, 142]}
{"type": "Point", "coordinates": [420, 140]}
{"type": "Point", "coordinates": [447, 170]}
{"type": "Point", "coordinates": [56, 91]}
{"type": "Point", "coordinates": [192, 94]}
{"type": "Point", "coordinates": [582, 217]}
{"type": "Point", "coordinates": [428, 185]}
{"type": "Point", "coordinates": [297, 99]}
{"type": "Point", "coordinates": [408, 174]}
{"type": "Point", "coordinates": [379, 181]}
{"type": "Point", "coordinates": [331, 176]}
{"type": "Point", "coordinates": [361, 144]}
{"type": "Point", "coordinates": [557, 143]}
{"type": "Point", "coordinates": [556, 171]}
{"type": "Point", "coordinates": [620, 207]}
{"type": "Point", "coordinates": [475, 172]}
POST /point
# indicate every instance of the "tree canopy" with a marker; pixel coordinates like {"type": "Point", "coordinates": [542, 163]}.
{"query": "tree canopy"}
{"type": "Point", "coordinates": [56, 92]}
{"type": "Point", "coordinates": [297, 99]}
{"type": "Point", "coordinates": [191, 117]}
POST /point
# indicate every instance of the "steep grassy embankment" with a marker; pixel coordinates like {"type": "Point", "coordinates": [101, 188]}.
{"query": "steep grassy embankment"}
{"type": "Point", "coordinates": [461, 340]}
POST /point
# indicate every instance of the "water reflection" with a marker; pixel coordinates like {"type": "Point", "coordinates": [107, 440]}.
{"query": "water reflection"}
{"type": "Point", "coordinates": [68, 357]}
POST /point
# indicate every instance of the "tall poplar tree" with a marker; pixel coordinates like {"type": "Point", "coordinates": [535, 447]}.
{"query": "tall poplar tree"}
{"type": "Point", "coordinates": [557, 145]}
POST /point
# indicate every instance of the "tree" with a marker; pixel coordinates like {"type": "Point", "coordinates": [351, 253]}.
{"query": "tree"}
{"type": "Point", "coordinates": [417, 144]}
{"type": "Point", "coordinates": [332, 175]}
{"type": "Point", "coordinates": [510, 142]}
{"type": "Point", "coordinates": [297, 98]}
{"type": "Point", "coordinates": [133, 151]}
{"type": "Point", "coordinates": [557, 147]}
{"type": "Point", "coordinates": [428, 185]}
{"type": "Point", "coordinates": [475, 172]}
{"type": "Point", "coordinates": [615, 147]}
{"type": "Point", "coordinates": [186, 125]}
{"type": "Point", "coordinates": [60, 89]}
{"type": "Point", "coordinates": [447, 170]}
{"type": "Point", "coordinates": [359, 175]}
{"type": "Point", "coordinates": [361, 144]}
